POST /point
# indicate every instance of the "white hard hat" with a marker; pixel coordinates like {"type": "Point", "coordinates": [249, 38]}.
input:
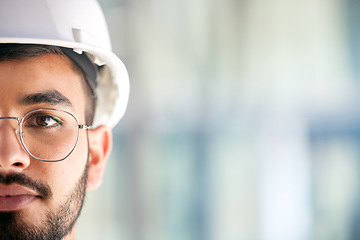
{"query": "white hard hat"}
{"type": "Point", "coordinates": [76, 24]}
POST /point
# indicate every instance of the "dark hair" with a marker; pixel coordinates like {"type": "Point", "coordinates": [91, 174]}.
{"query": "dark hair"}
{"type": "Point", "coordinates": [24, 51]}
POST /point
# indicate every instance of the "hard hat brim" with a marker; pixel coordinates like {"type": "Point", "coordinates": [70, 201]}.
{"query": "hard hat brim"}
{"type": "Point", "coordinates": [117, 82]}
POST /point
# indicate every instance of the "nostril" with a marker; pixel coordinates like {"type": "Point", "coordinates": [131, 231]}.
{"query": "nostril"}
{"type": "Point", "coordinates": [17, 164]}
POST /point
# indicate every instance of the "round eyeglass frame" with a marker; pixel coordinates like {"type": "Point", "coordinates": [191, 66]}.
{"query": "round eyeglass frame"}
{"type": "Point", "coordinates": [20, 122]}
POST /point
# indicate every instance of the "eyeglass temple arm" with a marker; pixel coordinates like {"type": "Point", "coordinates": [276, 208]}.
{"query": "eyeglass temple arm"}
{"type": "Point", "coordinates": [84, 126]}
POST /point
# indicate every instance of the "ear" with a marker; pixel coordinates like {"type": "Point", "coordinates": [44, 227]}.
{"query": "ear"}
{"type": "Point", "coordinates": [100, 145]}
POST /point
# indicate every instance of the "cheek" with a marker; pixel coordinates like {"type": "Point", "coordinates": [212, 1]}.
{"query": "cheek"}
{"type": "Point", "coordinates": [62, 176]}
{"type": "Point", "coordinates": [73, 167]}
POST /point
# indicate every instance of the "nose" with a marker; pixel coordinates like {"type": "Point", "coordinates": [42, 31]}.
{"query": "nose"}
{"type": "Point", "coordinates": [13, 157]}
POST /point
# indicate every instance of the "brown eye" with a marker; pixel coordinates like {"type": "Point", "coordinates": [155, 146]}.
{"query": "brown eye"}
{"type": "Point", "coordinates": [43, 120]}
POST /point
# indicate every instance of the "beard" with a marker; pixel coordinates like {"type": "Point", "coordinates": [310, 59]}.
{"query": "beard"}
{"type": "Point", "coordinates": [57, 224]}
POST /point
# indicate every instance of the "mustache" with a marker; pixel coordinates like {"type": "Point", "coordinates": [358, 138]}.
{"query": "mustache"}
{"type": "Point", "coordinates": [21, 179]}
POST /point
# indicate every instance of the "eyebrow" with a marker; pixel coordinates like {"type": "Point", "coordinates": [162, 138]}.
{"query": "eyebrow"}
{"type": "Point", "coordinates": [52, 97]}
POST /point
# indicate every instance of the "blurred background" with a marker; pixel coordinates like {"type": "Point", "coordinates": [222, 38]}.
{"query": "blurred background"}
{"type": "Point", "coordinates": [243, 122]}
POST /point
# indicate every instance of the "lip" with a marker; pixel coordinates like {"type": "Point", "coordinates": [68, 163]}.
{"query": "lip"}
{"type": "Point", "coordinates": [15, 197]}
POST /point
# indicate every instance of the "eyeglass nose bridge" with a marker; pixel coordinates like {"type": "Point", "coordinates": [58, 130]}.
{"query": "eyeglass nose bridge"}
{"type": "Point", "coordinates": [14, 118]}
{"type": "Point", "coordinates": [19, 134]}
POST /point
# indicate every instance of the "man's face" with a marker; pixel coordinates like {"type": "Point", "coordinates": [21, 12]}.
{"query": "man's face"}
{"type": "Point", "coordinates": [39, 198]}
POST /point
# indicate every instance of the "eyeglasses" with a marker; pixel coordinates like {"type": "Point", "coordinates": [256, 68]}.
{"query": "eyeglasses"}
{"type": "Point", "coordinates": [49, 135]}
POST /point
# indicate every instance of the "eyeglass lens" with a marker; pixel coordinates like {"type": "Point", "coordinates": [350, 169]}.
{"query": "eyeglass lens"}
{"type": "Point", "coordinates": [49, 135]}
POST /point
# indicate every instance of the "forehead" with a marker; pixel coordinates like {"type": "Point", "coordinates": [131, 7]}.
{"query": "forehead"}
{"type": "Point", "coordinates": [46, 73]}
